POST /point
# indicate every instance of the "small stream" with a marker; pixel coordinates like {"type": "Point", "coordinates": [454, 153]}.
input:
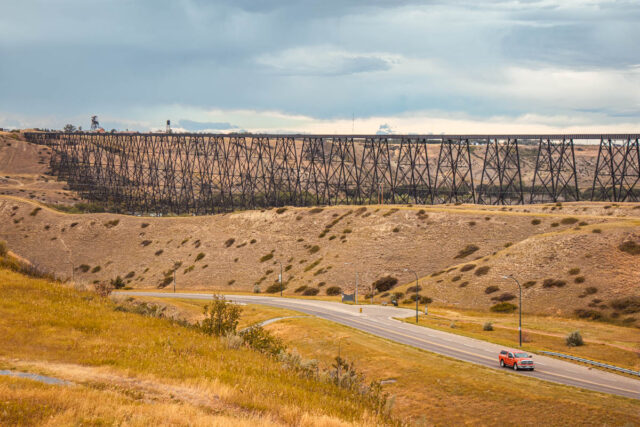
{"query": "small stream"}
{"type": "Point", "coordinates": [35, 377]}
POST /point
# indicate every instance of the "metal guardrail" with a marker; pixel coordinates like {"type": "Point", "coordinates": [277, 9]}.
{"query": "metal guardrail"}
{"type": "Point", "coordinates": [591, 362]}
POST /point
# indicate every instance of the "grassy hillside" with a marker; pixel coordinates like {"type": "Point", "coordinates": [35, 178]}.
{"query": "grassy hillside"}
{"type": "Point", "coordinates": [132, 369]}
{"type": "Point", "coordinates": [323, 247]}
{"type": "Point", "coordinates": [435, 390]}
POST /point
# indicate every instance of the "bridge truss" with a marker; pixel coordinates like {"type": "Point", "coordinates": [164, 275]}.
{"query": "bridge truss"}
{"type": "Point", "coordinates": [205, 173]}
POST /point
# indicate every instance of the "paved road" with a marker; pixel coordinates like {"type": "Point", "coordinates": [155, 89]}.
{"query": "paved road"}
{"type": "Point", "coordinates": [377, 320]}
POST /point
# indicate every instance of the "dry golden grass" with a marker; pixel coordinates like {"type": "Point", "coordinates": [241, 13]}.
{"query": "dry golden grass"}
{"type": "Point", "coordinates": [428, 242]}
{"type": "Point", "coordinates": [436, 390]}
{"type": "Point", "coordinates": [191, 310]}
{"type": "Point", "coordinates": [49, 325]}
{"type": "Point", "coordinates": [605, 343]}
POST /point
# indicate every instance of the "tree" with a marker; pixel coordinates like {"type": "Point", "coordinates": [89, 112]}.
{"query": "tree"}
{"type": "Point", "coordinates": [221, 317]}
{"type": "Point", "coordinates": [117, 283]}
{"type": "Point", "coordinates": [69, 128]}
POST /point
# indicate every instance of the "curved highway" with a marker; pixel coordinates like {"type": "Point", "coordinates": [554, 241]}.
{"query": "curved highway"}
{"type": "Point", "coordinates": [378, 320]}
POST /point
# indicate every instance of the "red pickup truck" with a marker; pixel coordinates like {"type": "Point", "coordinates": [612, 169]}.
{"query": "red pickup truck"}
{"type": "Point", "coordinates": [516, 359]}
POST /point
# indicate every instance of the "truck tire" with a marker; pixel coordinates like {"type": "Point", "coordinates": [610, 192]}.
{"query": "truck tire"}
{"type": "Point", "coordinates": [501, 363]}
{"type": "Point", "coordinates": [515, 366]}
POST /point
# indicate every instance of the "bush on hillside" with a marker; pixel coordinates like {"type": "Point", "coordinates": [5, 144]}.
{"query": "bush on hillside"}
{"type": "Point", "coordinates": [333, 290]}
{"type": "Point", "coordinates": [466, 251]}
{"type": "Point", "coordinates": [488, 326]}
{"type": "Point", "coordinates": [467, 267]}
{"type": "Point", "coordinates": [275, 287]}
{"type": "Point", "coordinates": [529, 284]}
{"type": "Point", "coordinates": [588, 314]}
{"type": "Point", "coordinates": [3, 248]}
{"type": "Point", "coordinates": [259, 339]}
{"type": "Point", "coordinates": [504, 307]}
{"type": "Point", "coordinates": [230, 241]}
{"type": "Point", "coordinates": [220, 317]}
{"type": "Point", "coordinates": [491, 289]}
{"type": "Point", "coordinates": [504, 297]}
{"type": "Point", "coordinates": [103, 289]}
{"type": "Point", "coordinates": [300, 289]}
{"type": "Point", "coordinates": [627, 305]}
{"type": "Point", "coordinates": [550, 283]}
{"type": "Point", "coordinates": [630, 247]}
{"type": "Point", "coordinates": [481, 271]}
{"type": "Point", "coordinates": [383, 284]}
{"type": "Point", "coordinates": [413, 289]}
{"type": "Point", "coordinates": [574, 339]}
{"type": "Point", "coordinates": [117, 283]}
{"type": "Point", "coordinates": [309, 292]}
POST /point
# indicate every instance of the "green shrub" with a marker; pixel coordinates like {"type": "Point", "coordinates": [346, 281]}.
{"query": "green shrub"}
{"type": "Point", "coordinates": [504, 307]}
{"type": "Point", "coordinates": [550, 283]}
{"type": "Point", "coordinates": [463, 284]}
{"type": "Point", "coordinates": [130, 275]}
{"type": "Point", "coordinates": [588, 314]}
{"type": "Point", "coordinates": [144, 225]}
{"type": "Point", "coordinates": [504, 297]}
{"type": "Point", "coordinates": [3, 248]}
{"type": "Point", "coordinates": [574, 339]}
{"type": "Point", "coordinates": [488, 326]}
{"type": "Point", "coordinates": [310, 292]}
{"type": "Point", "coordinates": [252, 241]}
{"type": "Point", "coordinates": [383, 284]}
{"type": "Point", "coordinates": [554, 224]}
{"type": "Point", "coordinates": [313, 249]}
{"type": "Point", "coordinates": [347, 231]}
{"type": "Point", "coordinates": [281, 210]}
{"type": "Point", "coordinates": [466, 251]}
{"type": "Point", "coordinates": [96, 269]}
{"type": "Point", "coordinates": [596, 230]}
{"type": "Point", "coordinates": [456, 278]}
{"type": "Point", "coordinates": [481, 271]}
{"type": "Point", "coordinates": [275, 287]}
{"type": "Point", "coordinates": [117, 283]}
{"type": "Point", "coordinates": [315, 210]}
{"type": "Point", "coordinates": [574, 271]}
{"type": "Point", "coordinates": [159, 252]}
{"type": "Point", "coordinates": [84, 268]}
{"type": "Point", "coordinates": [630, 247]}
{"type": "Point", "coordinates": [35, 211]}
{"type": "Point", "coordinates": [413, 289]}
{"type": "Point", "coordinates": [199, 256]}
{"type": "Point", "coordinates": [300, 289]}
{"type": "Point", "coordinates": [221, 317]}
{"type": "Point", "coordinates": [333, 290]}
{"type": "Point", "coordinates": [535, 221]}
{"type": "Point", "coordinates": [579, 279]}
{"type": "Point", "coordinates": [229, 242]}
{"type": "Point", "coordinates": [491, 289]}
{"type": "Point", "coordinates": [259, 339]}
{"type": "Point", "coordinates": [266, 257]}
{"type": "Point", "coordinates": [569, 221]}
{"type": "Point", "coordinates": [529, 284]}
{"type": "Point", "coordinates": [627, 305]}
{"type": "Point", "coordinates": [112, 223]}
{"type": "Point", "coordinates": [467, 267]}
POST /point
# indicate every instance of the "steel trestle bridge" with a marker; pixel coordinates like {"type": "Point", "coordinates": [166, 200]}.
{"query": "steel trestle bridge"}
{"type": "Point", "coordinates": [183, 173]}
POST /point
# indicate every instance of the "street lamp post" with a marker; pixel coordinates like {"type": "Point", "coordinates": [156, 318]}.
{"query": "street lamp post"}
{"type": "Point", "coordinates": [519, 306]}
{"type": "Point", "coordinates": [417, 297]}
{"type": "Point", "coordinates": [280, 278]}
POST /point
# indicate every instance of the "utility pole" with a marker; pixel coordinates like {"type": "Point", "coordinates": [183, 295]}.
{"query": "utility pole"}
{"type": "Point", "coordinates": [519, 306]}
{"type": "Point", "coordinates": [356, 288]}
{"type": "Point", "coordinates": [417, 295]}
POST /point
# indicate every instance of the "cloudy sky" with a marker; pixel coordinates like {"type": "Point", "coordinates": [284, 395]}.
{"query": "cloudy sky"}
{"type": "Point", "coordinates": [325, 66]}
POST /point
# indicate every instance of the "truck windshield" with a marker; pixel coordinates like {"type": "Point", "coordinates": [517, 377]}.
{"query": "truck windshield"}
{"type": "Point", "coordinates": [522, 355]}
